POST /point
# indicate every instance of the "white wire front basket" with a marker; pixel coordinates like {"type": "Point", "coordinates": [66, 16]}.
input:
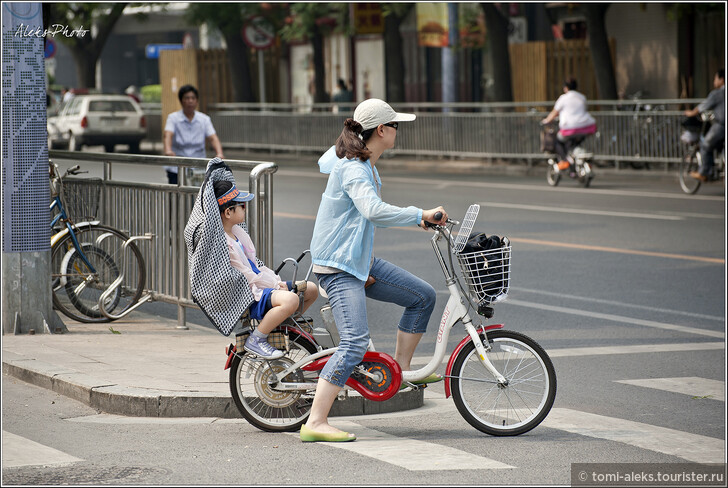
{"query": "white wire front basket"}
{"type": "Point", "coordinates": [487, 274]}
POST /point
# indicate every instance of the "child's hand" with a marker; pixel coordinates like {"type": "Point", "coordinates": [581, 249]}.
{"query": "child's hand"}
{"type": "Point", "coordinates": [282, 285]}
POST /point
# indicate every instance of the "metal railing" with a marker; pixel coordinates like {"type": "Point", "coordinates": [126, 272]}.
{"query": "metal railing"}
{"type": "Point", "coordinates": [163, 210]}
{"type": "Point", "coordinates": [628, 130]}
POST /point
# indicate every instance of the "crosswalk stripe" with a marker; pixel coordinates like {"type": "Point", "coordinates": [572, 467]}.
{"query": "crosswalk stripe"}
{"type": "Point", "coordinates": [410, 454]}
{"type": "Point", "coordinates": [690, 385]}
{"type": "Point", "coordinates": [19, 451]}
{"type": "Point", "coordinates": [693, 447]}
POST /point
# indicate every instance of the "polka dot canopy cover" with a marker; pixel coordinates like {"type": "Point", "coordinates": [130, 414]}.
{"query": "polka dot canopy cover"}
{"type": "Point", "coordinates": [221, 291]}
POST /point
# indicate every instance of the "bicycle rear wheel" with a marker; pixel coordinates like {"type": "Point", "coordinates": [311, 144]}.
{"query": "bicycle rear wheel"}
{"type": "Point", "coordinates": [77, 289]}
{"type": "Point", "coordinates": [264, 407]}
{"type": "Point", "coordinates": [512, 409]}
{"type": "Point", "coordinates": [691, 162]}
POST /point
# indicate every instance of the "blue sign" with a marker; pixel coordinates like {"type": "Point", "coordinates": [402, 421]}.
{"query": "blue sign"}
{"type": "Point", "coordinates": [152, 50]}
{"type": "Point", "coordinates": [50, 48]}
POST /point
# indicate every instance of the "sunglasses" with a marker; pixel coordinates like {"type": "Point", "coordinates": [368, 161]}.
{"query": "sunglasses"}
{"type": "Point", "coordinates": [393, 125]}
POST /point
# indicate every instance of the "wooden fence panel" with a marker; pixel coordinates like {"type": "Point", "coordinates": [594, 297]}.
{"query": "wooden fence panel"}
{"type": "Point", "coordinates": [176, 68]}
{"type": "Point", "coordinates": [213, 74]}
{"type": "Point", "coordinates": [538, 69]}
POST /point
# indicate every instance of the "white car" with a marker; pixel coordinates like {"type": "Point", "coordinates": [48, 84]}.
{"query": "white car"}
{"type": "Point", "coordinates": [93, 120]}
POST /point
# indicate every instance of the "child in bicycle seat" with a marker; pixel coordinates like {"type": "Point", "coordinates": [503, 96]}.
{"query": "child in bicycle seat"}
{"type": "Point", "coordinates": [274, 300]}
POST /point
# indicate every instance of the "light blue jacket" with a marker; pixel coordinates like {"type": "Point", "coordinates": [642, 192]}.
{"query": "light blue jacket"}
{"type": "Point", "coordinates": [343, 235]}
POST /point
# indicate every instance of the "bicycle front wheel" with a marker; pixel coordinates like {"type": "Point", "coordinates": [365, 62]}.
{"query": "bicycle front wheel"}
{"type": "Point", "coordinates": [552, 175]}
{"type": "Point", "coordinates": [511, 409]}
{"type": "Point", "coordinates": [77, 287]}
{"type": "Point", "coordinates": [690, 163]}
{"type": "Point", "coordinates": [265, 408]}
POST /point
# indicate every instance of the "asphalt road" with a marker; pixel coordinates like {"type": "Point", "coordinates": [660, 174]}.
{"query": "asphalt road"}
{"type": "Point", "coordinates": [622, 283]}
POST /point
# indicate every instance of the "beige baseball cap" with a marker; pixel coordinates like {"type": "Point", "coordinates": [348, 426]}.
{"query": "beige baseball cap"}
{"type": "Point", "coordinates": [373, 111]}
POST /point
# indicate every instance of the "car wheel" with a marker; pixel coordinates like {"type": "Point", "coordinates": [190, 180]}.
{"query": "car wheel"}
{"type": "Point", "coordinates": [109, 148]}
{"type": "Point", "coordinates": [134, 147]}
{"type": "Point", "coordinates": [73, 143]}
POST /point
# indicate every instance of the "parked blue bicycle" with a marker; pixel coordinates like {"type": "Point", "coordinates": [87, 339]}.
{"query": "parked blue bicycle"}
{"type": "Point", "coordinates": [97, 272]}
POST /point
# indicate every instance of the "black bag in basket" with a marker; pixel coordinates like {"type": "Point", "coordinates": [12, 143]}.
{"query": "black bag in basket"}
{"type": "Point", "coordinates": [487, 263]}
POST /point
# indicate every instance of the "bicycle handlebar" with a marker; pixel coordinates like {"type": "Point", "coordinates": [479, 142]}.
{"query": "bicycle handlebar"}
{"type": "Point", "coordinates": [298, 260]}
{"type": "Point", "coordinates": [438, 216]}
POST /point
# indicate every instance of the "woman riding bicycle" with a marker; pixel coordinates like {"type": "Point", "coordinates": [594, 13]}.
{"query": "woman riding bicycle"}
{"type": "Point", "coordinates": [574, 122]}
{"type": "Point", "coordinates": [341, 250]}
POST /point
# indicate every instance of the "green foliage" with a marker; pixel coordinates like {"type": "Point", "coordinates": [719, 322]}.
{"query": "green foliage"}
{"type": "Point", "coordinates": [307, 19]}
{"type": "Point", "coordinates": [677, 11]}
{"type": "Point", "coordinates": [399, 10]}
{"type": "Point", "coordinates": [151, 93]}
{"type": "Point", "coordinates": [229, 18]}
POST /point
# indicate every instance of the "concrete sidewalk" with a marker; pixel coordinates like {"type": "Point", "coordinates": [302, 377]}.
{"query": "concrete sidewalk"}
{"type": "Point", "coordinates": [149, 369]}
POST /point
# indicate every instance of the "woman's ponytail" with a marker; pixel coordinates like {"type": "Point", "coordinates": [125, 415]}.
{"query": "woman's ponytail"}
{"type": "Point", "coordinates": [351, 141]}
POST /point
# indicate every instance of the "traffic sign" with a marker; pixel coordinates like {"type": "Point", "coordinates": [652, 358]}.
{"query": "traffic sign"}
{"type": "Point", "coordinates": [50, 49]}
{"type": "Point", "coordinates": [152, 50]}
{"type": "Point", "coordinates": [258, 33]}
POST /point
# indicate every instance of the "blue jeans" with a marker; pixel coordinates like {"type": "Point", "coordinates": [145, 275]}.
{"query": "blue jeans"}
{"type": "Point", "coordinates": [347, 296]}
{"type": "Point", "coordinates": [712, 141]}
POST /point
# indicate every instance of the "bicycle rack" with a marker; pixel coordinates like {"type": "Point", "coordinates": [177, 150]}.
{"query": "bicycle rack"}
{"type": "Point", "coordinates": [117, 283]}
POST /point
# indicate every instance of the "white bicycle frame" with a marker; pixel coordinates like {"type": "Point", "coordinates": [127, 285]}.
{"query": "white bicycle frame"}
{"type": "Point", "coordinates": [455, 310]}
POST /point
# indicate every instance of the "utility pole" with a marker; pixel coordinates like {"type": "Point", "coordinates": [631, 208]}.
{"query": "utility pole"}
{"type": "Point", "coordinates": [26, 284]}
{"type": "Point", "coordinates": [449, 58]}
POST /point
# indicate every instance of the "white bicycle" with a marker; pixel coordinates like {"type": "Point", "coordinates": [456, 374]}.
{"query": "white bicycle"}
{"type": "Point", "coordinates": [503, 382]}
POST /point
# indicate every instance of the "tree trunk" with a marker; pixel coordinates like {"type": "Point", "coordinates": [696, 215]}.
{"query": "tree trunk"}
{"type": "Point", "coordinates": [320, 95]}
{"type": "Point", "coordinates": [599, 46]}
{"type": "Point", "coordinates": [394, 59]}
{"type": "Point", "coordinates": [239, 65]}
{"type": "Point", "coordinates": [85, 66]}
{"type": "Point", "coordinates": [497, 27]}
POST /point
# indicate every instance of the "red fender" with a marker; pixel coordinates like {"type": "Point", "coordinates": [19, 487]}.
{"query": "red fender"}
{"type": "Point", "coordinates": [454, 354]}
{"type": "Point", "coordinates": [231, 349]}
{"type": "Point", "coordinates": [373, 356]}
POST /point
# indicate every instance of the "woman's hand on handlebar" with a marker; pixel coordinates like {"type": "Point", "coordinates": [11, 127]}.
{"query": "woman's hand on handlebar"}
{"type": "Point", "coordinates": [434, 216]}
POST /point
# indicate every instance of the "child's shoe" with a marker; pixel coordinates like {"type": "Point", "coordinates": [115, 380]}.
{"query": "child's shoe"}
{"type": "Point", "coordinates": [262, 348]}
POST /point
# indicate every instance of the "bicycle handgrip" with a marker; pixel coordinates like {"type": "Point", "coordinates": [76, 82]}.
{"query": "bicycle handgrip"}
{"type": "Point", "coordinates": [437, 216]}
{"type": "Point", "coordinates": [283, 263]}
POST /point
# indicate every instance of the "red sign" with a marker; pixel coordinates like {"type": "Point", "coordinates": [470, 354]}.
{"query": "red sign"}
{"type": "Point", "coordinates": [258, 33]}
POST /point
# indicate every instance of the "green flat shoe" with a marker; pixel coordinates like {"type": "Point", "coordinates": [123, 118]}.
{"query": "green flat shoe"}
{"type": "Point", "coordinates": [308, 435]}
{"type": "Point", "coordinates": [433, 378]}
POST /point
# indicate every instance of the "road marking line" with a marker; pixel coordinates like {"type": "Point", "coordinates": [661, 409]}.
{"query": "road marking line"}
{"type": "Point", "coordinates": [409, 454]}
{"type": "Point", "coordinates": [635, 349]}
{"type": "Point", "coordinates": [19, 451]}
{"type": "Point", "coordinates": [514, 186]}
{"type": "Point", "coordinates": [693, 447]}
{"type": "Point", "coordinates": [619, 250]}
{"type": "Point", "coordinates": [583, 247]}
{"type": "Point", "coordinates": [608, 350]}
{"type": "Point", "coordinates": [613, 302]}
{"type": "Point", "coordinates": [689, 385]}
{"type": "Point", "coordinates": [581, 211]}
{"type": "Point", "coordinates": [618, 318]}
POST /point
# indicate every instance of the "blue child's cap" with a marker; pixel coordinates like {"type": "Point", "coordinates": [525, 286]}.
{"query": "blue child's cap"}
{"type": "Point", "coordinates": [234, 195]}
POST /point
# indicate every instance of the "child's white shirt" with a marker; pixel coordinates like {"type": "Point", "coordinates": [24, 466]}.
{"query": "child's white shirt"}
{"type": "Point", "coordinates": [243, 249]}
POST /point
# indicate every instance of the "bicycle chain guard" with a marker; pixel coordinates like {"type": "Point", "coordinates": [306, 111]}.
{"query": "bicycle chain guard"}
{"type": "Point", "coordinates": [377, 378]}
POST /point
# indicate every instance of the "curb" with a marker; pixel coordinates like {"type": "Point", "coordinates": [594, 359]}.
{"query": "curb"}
{"type": "Point", "coordinates": [140, 402]}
